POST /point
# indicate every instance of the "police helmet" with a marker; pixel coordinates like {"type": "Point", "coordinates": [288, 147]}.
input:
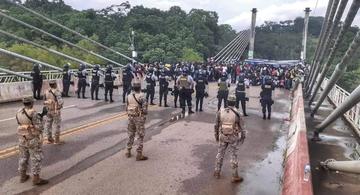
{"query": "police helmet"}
{"type": "Point", "coordinates": [109, 67]}
{"type": "Point", "coordinates": [185, 70]}
{"type": "Point", "coordinates": [241, 79]}
{"type": "Point", "coordinates": [151, 70]}
{"type": "Point", "coordinates": [96, 67]}
{"type": "Point", "coordinates": [66, 66]}
{"type": "Point", "coordinates": [231, 101]}
{"type": "Point", "coordinates": [81, 66]}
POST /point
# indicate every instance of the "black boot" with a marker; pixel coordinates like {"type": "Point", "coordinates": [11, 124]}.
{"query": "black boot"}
{"type": "Point", "coordinates": [264, 116]}
{"type": "Point", "coordinates": [269, 116]}
{"type": "Point", "coordinates": [190, 111]}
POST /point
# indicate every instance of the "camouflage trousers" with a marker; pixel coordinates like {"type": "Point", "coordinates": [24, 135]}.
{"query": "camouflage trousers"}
{"type": "Point", "coordinates": [30, 149]}
{"type": "Point", "coordinates": [52, 124]}
{"type": "Point", "coordinates": [136, 125]}
{"type": "Point", "coordinates": [231, 142]}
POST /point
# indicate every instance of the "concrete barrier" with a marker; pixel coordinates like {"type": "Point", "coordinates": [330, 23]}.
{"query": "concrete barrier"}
{"type": "Point", "coordinates": [10, 92]}
{"type": "Point", "coordinates": [297, 170]}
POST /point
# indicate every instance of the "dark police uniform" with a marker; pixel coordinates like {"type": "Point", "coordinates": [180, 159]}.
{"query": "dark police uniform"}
{"type": "Point", "coordinates": [81, 74]}
{"type": "Point", "coordinates": [95, 82]}
{"type": "Point", "coordinates": [241, 96]}
{"type": "Point", "coordinates": [163, 85]}
{"type": "Point", "coordinates": [127, 77]}
{"type": "Point", "coordinates": [150, 87]}
{"type": "Point", "coordinates": [66, 81]}
{"type": "Point", "coordinates": [185, 84]}
{"type": "Point", "coordinates": [201, 82]}
{"type": "Point", "coordinates": [37, 81]}
{"type": "Point", "coordinates": [109, 84]}
{"type": "Point", "coordinates": [223, 91]}
{"type": "Point", "coordinates": [266, 97]}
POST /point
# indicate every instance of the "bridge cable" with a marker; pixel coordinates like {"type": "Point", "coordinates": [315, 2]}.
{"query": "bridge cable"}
{"type": "Point", "coordinates": [236, 40]}
{"type": "Point", "coordinates": [58, 38]}
{"type": "Point", "coordinates": [345, 27]}
{"type": "Point", "coordinates": [240, 51]}
{"type": "Point", "coordinates": [45, 48]}
{"type": "Point", "coordinates": [70, 30]}
{"type": "Point", "coordinates": [233, 52]}
{"type": "Point", "coordinates": [231, 49]}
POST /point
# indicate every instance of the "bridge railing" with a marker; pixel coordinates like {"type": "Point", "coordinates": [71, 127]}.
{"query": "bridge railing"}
{"type": "Point", "coordinates": [337, 96]}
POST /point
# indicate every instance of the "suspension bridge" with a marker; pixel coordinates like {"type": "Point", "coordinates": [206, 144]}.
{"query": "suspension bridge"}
{"type": "Point", "coordinates": [317, 121]}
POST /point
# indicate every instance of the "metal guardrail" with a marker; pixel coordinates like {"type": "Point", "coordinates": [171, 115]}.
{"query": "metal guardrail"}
{"type": "Point", "coordinates": [337, 96]}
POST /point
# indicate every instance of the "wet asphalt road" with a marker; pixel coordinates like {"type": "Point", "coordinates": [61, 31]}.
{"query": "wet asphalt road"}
{"type": "Point", "coordinates": [181, 150]}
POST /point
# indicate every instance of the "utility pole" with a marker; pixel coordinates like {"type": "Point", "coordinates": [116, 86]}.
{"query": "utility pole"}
{"type": "Point", "coordinates": [305, 34]}
{"type": "Point", "coordinates": [252, 34]}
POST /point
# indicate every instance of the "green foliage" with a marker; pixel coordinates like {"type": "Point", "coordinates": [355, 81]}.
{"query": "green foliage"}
{"type": "Point", "coordinates": [189, 55]}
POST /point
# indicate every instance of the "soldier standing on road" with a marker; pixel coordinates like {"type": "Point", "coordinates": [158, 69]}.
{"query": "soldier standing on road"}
{"type": "Point", "coordinates": [241, 95]}
{"type": "Point", "coordinates": [81, 74]}
{"type": "Point", "coordinates": [201, 82]}
{"type": "Point", "coordinates": [223, 91]}
{"type": "Point", "coordinates": [127, 77]}
{"type": "Point", "coordinates": [54, 103]}
{"type": "Point", "coordinates": [95, 82]}
{"type": "Point", "coordinates": [37, 81]}
{"type": "Point", "coordinates": [186, 87]}
{"type": "Point", "coordinates": [66, 80]}
{"type": "Point", "coordinates": [266, 97]}
{"type": "Point", "coordinates": [163, 87]}
{"type": "Point", "coordinates": [150, 86]}
{"type": "Point", "coordinates": [229, 133]}
{"type": "Point", "coordinates": [109, 83]}
{"type": "Point", "coordinates": [137, 110]}
{"type": "Point", "coordinates": [30, 142]}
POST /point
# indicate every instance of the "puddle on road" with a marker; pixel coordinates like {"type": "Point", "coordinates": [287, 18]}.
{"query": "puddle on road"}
{"type": "Point", "coordinates": [265, 176]}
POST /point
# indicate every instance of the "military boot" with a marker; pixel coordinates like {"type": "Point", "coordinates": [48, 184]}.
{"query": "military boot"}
{"type": "Point", "coordinates": [23, 177]}
{"type": "Point", "coordinates": [236, 178]}
{"type": "Point", "coordinates": [140, 157]}
{"type": "Point", "coordinates": [128, 153]}
{"type": "Point", "coordinates": [269, 116]}
{"type": "Point", "coordinates": [58, 141]}
{"type": "Point", "coordinates": [39, 181]}
{"type": "Point", "coordinates": [217, 174]}
{"type": "Point", "coordinates": [264, 116]}
{"type": "Point", "coordinates": [50, 140]}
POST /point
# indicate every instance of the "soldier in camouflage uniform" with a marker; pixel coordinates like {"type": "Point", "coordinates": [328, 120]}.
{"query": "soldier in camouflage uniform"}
{"type": "Point", "coordinates": [54, 104]}
{"type": "Point", "coordinates": [30, 141]}
{"type": "Point", "coordinates": [137, 111]}
{"type": "Point", "coordinates": [229, 133]}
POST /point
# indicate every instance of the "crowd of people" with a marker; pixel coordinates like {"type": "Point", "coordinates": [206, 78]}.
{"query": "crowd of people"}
{"type": "Point", "coordinates": [181, 80]}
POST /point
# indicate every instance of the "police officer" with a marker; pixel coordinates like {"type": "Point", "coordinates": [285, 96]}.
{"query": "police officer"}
{"type": "Point", "coordinates": [30, 142]}
{"type": "Point", "coordinates": [127, 77]}
{"type": "Point", "coordinates": [109, 83]}
{"type": "Point", "coordinates": [223, 91]}
{"type": "Point", "coordinates": [163, 87]}
{"type": "Point", "coordinates": [266, 97]}
{"type": "Point", "coordinates": [95, 82]}
{"type": "Point", "coordinates": [81, 74]}
{"type": "Point", "coordinates": [186, 87]}
{"type": "Point", "coordinates": [229, 132]}
{"type": "Point", "coordinates": [175, 93]}
{"type": "Point", "coordinates": [66, 80]}
{"type": "Point", "coordinates": [54, 103]}
{"type": "Point", "coordinates": [150, 85]}
{"type": "Point", "coordinates": [136, 108]}
{"type": "Point", "coordinates": [201, 82]}
{"type": "Point", "coordinates": [37, 81]}
{"type": "Point", "coordinates": [241, 95]}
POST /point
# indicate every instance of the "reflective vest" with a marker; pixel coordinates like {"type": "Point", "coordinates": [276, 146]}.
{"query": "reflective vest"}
{"type": "Point", "coordinates": [183, 82]}
{"type": "Point", "coordinates": [227, 121]}
{"type": "Point", "coordinates": [223, 86]}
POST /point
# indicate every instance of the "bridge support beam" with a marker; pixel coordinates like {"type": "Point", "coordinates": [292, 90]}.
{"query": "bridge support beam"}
{"type": "Point", "coordinates": [252, 34]}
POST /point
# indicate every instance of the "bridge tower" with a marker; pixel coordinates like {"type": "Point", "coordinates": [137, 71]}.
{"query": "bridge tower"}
{"type": "Point", "coordinates": [252, 34]}
{"type": "Point", "coordinates": [305, 34]}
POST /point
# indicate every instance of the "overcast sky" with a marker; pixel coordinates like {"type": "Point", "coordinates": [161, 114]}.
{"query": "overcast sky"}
{"type": "Point", "coordinates": [234, 12]}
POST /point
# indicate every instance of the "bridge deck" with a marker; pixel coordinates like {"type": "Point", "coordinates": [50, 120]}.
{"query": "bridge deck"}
{"type": "Point", "coordinates": [181, 151]}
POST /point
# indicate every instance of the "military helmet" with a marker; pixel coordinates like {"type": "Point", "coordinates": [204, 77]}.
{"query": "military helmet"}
{"type": "Point", "coordinates": [136, 83]}
{"type": "Point", "coordinates": [231, 100]}
{"type": "Point", "coordinates": [28, 100]}
{"type": "Point", "coordinates": [52, 82]}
